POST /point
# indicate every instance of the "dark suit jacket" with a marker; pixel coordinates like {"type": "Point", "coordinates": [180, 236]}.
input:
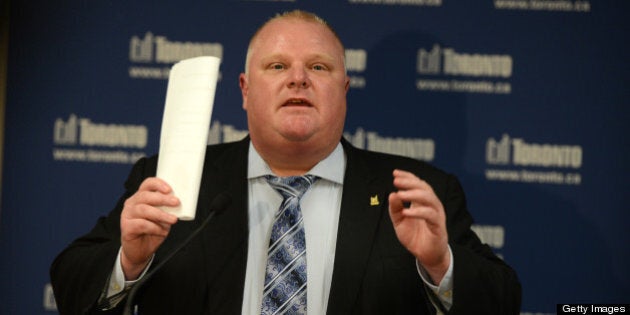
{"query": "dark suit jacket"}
{"type": "Point", "coordinates": [373, 273]}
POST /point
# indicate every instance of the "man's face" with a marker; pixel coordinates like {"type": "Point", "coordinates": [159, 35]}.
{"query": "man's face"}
{"type": "Point", "coordinates": [295, 87]}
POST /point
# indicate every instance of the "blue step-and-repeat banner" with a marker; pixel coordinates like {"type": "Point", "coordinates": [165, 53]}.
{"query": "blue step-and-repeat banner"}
{"type": "Point", "coordinates": [526, 101]}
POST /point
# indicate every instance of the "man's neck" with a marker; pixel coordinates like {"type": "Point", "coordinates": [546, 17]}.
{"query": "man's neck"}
{"type": "Point", "coordinates": [297, 160]}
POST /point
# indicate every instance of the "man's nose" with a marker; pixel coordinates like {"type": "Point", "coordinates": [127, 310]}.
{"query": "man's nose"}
{"type": "Point", "coordinates": [299, 78]}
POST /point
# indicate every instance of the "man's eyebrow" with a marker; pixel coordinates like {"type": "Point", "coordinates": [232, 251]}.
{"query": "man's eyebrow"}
{"type": "Point", "coordinates": [324, 56]}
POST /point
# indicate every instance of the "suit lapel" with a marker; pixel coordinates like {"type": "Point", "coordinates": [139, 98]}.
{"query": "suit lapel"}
{"type": "Point", "coordinates": [225, 237]}
{"type": "Point", "coordinates": [362, 202]}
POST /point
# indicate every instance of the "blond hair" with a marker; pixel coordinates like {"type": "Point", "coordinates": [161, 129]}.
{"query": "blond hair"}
{"type": "Point", "coordinates": [295, 14]}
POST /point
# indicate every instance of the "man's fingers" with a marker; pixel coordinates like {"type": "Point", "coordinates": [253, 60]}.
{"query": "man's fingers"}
{"type": "Point", "coordinates": [152, 198]}
{"type": "Point", "coordinates": [146, 228]}
{"type": "Point", "coordinates": [153, 193]}
{"type": "Point", "coordinates": [155, 184]}
{"type": "Point", "coordinates": [419, 210]}
{"type": "Point", "coordinates": [147, 212]}
{"type": "Point", "coordinates": [418, 196]}
{"type": "Point", "coordinates": [395, 204]}
{"type": "Point", "coordinates": [426, 213]}
{"type": "Point", "coordinates": [405, 180]}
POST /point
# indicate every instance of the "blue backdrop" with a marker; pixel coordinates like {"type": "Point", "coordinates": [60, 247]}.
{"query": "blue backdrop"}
{"type": "Point", "coordinates": [526, 101]}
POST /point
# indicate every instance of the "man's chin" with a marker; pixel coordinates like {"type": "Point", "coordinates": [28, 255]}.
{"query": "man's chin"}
{"type": "Point", "coordinates": [298, 132]}
{"type": "Point", "coordinates": [298, 138]}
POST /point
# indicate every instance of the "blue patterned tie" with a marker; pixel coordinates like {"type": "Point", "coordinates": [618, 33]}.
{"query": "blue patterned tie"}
{"type": "Point", "coordinates": [285, 277]}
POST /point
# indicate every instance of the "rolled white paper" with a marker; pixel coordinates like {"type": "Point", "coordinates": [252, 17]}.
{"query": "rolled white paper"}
{"type": "Point", "coordinates": [185, 125]}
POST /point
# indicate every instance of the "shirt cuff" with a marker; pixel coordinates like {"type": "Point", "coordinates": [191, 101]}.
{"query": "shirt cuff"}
{"type": "Point", "coordinates": [444, 290]}
{"type": "Point", "coordinates": [117, 282]}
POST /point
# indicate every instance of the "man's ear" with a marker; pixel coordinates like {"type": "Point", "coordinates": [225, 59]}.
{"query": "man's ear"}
{"type": "Point", "coordinates": [243, 84]}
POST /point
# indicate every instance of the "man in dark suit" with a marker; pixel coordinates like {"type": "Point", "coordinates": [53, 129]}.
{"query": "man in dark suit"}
{"type": "Point", "coordinates": [384, 234]}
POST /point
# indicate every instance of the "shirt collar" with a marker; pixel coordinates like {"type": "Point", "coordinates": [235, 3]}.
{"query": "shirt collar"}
{"type": "Point", "coordinates": [331, 168]}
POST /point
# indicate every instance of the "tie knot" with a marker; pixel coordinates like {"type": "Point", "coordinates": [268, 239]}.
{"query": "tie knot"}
{"type": "Point", "coordinates": [291, 186]}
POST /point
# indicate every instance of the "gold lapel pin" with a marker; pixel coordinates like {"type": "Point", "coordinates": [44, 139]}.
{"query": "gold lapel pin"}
{"type": "Point", "coordinates": [374, 201]}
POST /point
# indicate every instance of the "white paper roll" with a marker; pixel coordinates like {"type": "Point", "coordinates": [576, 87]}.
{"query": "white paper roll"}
{"type": "Point", "coordinates": [185, 125]}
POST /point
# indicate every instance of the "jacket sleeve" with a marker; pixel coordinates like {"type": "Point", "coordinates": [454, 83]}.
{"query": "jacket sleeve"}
{"type": "Point", "coordinates": [483, 283]}
{"type": "Point", "coordinates": [79, 274]}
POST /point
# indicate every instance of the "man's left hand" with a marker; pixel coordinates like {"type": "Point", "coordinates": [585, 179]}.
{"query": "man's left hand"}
{"type": "Point", "coordinates": [420, 223]}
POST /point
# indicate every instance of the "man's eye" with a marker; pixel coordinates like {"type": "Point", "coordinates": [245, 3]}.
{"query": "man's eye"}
{"type": "Point", "coordinates": [277, 66]}
{"type": "Point", "coordinates": [319, 67]}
